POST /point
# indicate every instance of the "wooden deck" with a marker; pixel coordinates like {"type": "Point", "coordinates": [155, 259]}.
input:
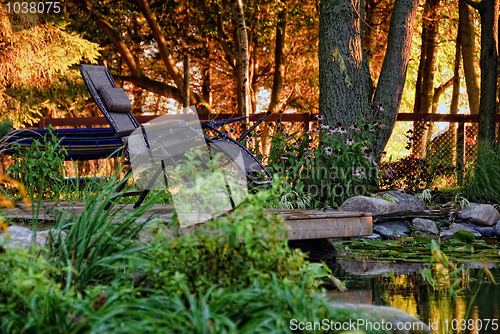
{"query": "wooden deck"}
{"type": "Point", "coordinates": [303, 224]}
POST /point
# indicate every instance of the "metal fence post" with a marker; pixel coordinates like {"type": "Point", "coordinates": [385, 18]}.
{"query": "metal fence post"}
{"type": "Point", "coordinates": [460, 152]}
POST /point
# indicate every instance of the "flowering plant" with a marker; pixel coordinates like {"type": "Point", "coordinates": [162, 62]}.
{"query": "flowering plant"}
{"type": "Point", "coordinates": [327, 164]}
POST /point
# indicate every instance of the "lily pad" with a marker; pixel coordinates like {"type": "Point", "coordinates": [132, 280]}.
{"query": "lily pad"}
{"type": "Point", "coordinates": [464, 236]}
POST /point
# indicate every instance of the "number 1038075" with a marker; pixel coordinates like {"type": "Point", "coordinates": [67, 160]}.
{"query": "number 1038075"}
{"type": "Point", "coordinates": [472, 324]}
{"type": "Point", "coordinates": [33, 7]}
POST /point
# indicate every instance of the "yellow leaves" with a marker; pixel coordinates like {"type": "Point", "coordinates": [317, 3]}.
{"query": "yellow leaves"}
{"type": "Point", "coordinates": [4, 227]}
{"type": "Point", "coordinates": [488, 272]}
{"type": "Point", "coordinates": [7, 202]}
{"type": "Point", "coordinates": [20, 188]}
{"type": "Point", "coordinates": [440, 257]}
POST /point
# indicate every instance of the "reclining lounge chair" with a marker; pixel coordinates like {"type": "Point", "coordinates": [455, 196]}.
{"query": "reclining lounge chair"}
{"type": "Point", "coordinates": [116, 108]}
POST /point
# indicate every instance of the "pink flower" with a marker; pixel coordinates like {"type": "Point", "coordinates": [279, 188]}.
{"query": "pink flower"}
{"type": "Point", "coordinates": [356, 128]}
{"type": "Point", "coordinates": [328, 151]}
{"type": "Point", "coordinates": [359, 173]}
{"type": "Point", "coordinates": [350, 141]}
{"type": "Point", "coordinates": [319, 117]}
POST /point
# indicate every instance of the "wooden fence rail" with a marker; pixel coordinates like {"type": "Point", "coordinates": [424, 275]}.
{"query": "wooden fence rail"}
{"type": "Point", "coordinates": [300, 118]}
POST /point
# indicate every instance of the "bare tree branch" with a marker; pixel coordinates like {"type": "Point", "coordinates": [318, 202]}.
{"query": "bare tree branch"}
{"type": "Point", "coordinates": [473, 4]}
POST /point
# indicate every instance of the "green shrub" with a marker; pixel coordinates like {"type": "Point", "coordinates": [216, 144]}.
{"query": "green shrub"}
{"type": "Point", "coordinates": [258, 308]}
{"type": "Point", "coordinates": [482, 176]}
{"type": "Point", "coordinates": [40, 167]}
{"type": "Point", "coordinates": [231, 251]}
{"type": "Point", "coordinates": [22, 276]}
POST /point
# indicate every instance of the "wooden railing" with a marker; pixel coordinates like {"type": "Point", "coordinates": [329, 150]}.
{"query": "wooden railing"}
{"type": "Point", "coordinates": [94, 121]}
{"type": "Point", "coordinates": [298, 118]}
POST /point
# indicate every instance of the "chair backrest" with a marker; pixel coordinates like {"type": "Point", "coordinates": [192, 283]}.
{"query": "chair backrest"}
{"type": "Point", "coordinates": [98, 78]}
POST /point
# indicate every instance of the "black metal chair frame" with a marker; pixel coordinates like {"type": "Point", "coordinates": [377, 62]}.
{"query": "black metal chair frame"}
{"type": "Point", "coordinates": [124, 124]}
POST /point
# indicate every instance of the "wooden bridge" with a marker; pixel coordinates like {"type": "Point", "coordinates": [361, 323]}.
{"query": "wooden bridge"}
{"type": "Point", "coordinates": [302, 224]}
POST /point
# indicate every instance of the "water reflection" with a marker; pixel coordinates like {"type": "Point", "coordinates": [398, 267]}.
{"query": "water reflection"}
{"type": "Point", "coordinates": [476, 305]}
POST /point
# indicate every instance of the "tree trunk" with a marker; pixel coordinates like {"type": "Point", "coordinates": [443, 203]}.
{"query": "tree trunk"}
{"type": "Point", "coordinates": [451, 146]}
{"type": "Point", "coordinates": [431, 21]}
{"type": "Point", "coordinates": [242, 60]}
{"type": "Point", "coordinates": [345, 82]}
{"type": "Point", "coordinates": [344, 77]}
{"type": "Point", "coordinates": [471, 65]}
{"type": "Point", "coordinates": [438, 92]}
{"type": "Point", "coordinates": [279, 63]}
{"type": "Point", "coordinates": [488, 10]}
{"type": "Point", "coordinates": [456, 75]}
{"type": "Point", "coordinates": [489, 52]}
{"type": "Point", "coordinates": [206, 76]}
{"type": "Point", "coordinates": [425, 80]}
{"type": "Point", "coordinates": [377, 19]}
{"type": "Point", "coordinates": [393, 74]}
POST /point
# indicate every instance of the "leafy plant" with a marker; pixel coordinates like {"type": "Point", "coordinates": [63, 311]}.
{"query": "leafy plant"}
{"type": "Point", "coordinates": [386, 197]}
{"type": "Point", "coordinates": [40, 167]}
{"type": "Point", "coordinates": [425, 196]}
{"type": "Point", "coordinates": [21, 276]}
{"type": "Point", "coordinates": [482, 177]}
{"type": "Point", "coordinates": [231, 251]}
{"type": "Point", "coordinates": [460, 201]}
{"type": "Point", "coordinates": [5, 127]}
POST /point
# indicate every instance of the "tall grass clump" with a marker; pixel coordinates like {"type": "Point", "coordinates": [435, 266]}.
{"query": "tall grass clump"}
{"type": "Point", "coordinates": [87, 248]}
{"type": "Point", "coordinates": [482, 176]}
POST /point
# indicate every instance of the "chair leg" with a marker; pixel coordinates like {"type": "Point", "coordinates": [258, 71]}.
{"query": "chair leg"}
{"type": "Point", "coordinates": [119, 188]}
{"type": "Point", "coordinates": [149, 186]}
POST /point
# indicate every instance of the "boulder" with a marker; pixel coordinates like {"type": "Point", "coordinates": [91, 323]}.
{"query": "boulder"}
{"type": "Point", "coordinates": [373, 236]}
{"type": "Point", "coordinates": [385, 233]}
{"type": "Point", "coordinates": [480, 214]}
{"type": "Point", "coordinates": [425, 225]}
{"type": "Point", "coordinates": [21, 237]}
{"type": "Point", "coordinates": [448, 234]}
{"type": "Point", "coordinates": [497, 228]}
{"type": "Point", "coordinates": [395, 321]}
{"type": "Point", "coordinates": [407, 201]}
{"type": "Point", "coordinates": [370, 204]}
{"type": "Point", "coordinates": [400, 226]}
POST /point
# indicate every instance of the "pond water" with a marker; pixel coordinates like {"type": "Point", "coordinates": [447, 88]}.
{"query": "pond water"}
{"type": "Point", "coordinates": [403, 286]}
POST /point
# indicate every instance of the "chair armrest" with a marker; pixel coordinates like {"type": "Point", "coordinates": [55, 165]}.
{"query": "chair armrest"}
{"type": "Point", "coordinates": [165, 126]}
{"type": "Point", "coordinates": [126, 133]}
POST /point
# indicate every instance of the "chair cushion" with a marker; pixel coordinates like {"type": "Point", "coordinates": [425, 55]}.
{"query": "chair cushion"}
{"type": "Point", "coordinates": [115, 99]}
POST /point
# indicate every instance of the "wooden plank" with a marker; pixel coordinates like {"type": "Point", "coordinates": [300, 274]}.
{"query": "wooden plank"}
{"type": "Point", "coordinates": [303, 118]}
{"type": "Point", "coordinates": [340, 227]}
{"type": "Point", "coordinates": [95, 121]}
{"type": "Point", "coordinates": [302, 224]}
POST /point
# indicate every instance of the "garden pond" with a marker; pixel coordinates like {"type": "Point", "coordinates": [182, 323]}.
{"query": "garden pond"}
{"type": "Point", "coordinates": [456, 295]}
